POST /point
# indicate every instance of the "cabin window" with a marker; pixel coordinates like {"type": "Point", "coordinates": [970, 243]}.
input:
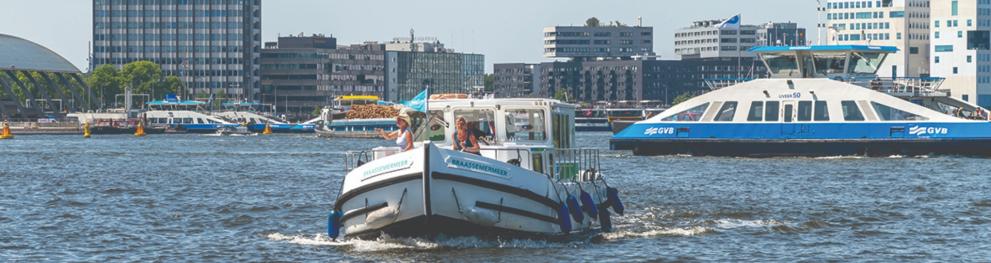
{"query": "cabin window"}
{"type": "Point", "coordinates": [726, 112]}
{"type": "Point", "coordinates": [771, 109]}
{"type": "Point", "coordinates": [200, 120]}
{"type": "Point", "coordinates": [829, 64]}
{"type": "Point", "coordinates": [821, 111]}
{"type": "Point", "coordinates": [436, 127]}
{"type": "Point", "coordinates": [850, 111]}
{"type": "Point", "coordinates": [805, 110]}
{"type": "Point", "coordinates": [693, 114]}
{"type": "Point", "coordinates": [782, 65]}
{"type": "Point", "coordinates": [525, 125]}
{"type": "Point", "coordinates": [887, 113]}
{"type": "Point", "coordinates": [756, 111]}
{"type": "Point", "coordinates": [482, 121]}
{"type": "Point", "coordinates": [866, 63]}
{"type": "Point", "coordinates": [563, 130]}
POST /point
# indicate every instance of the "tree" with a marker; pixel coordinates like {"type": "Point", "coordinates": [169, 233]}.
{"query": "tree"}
{"type": "Point", "coordinates": [683, 97]}
{"type": "Point", "coordinates": [592, 22]}
{"type": "Point", "coordinates": [489, 82]}
{"type": "Point", "coordinates": [561, 95]}
{"type": "Point", "coordinates": [170, 85]}
{"type": "Point", "coordinates": [142, 76]}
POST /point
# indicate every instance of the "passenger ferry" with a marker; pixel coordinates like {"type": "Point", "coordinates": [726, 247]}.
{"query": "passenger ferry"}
{"type": "Point", "coordinates": [527, 181]}
{"type": "Point", "coordinates": [256, 115]}
{"type": "Point", "coordinates": [183, 116]}
{"type": "Point", "coordinates": [818, 101]}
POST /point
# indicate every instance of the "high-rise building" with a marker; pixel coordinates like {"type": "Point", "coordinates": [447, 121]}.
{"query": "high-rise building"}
{"type": "Point", "coordinates": [516, 80]}
{"type": "Point", "coordinates": [614, 40]}
{"type": "Point", "coordinates": [903, 24]}
{"type": "Point", "coordinates": [961, 48]}
{"type": "Point", "coordinates": [780, 34]}
{"type": "Point", "coordinates": [705, 39]}
{"type": "Point", "coordinates": [300, 74]}
{"type": "Point", "coordinates": [443, 70]}
{"type": "Point", "coordinates": [212, 46]}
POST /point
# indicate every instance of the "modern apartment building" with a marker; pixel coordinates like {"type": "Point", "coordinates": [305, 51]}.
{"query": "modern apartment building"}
{"type": "Point", "coordinates": [212, 46]}
{"type": "Point", "coordinates": [900, 23]}
{"type": "Point", "coordinates": [705, 39]}
{"type": "Point", "coordinates": [443, 70]}
{"type": "Point", "coordinates": [516, 80]}
{"type": "Point", "coordinates": [613, 40]}
{"type": "Point", "coordinates": [780, 34]}
{"type": "Point", "coordinates": [961, 48]}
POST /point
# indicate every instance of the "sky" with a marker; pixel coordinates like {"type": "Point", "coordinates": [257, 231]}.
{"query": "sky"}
{"type": "Point", "coordinates": [505, 31]}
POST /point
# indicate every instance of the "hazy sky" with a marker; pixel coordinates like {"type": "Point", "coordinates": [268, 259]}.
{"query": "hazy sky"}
{"type": "Point", "coordinates": [502, 30]}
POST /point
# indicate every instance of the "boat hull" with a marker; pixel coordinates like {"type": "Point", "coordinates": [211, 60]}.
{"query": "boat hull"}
{"type": "Point", "coordinates": [806, 148]}
{"type": "Point", "coordinates": [431, 191]}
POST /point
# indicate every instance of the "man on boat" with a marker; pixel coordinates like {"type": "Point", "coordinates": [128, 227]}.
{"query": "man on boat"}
{"type": "Point", "coordinates": [403, 136]}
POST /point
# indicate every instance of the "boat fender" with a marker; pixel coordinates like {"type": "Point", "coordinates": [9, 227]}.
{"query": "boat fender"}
{"type": "Point", "coordinates": [563, 220]}
{"type": "Point", "coordinates": [334, 224]}
{"type": "Point", "coordinates": [613, 195]}
{"type": "Point", "coordinates": [482, 216]}
{"type": "Point", "coordinates": [381, 217]}
{"type": "Point", "coordinates": [575, 209]}
{"type": "Point", "coordinates": [588, 205]}
{"type": "Point", "coordinates": [604, 221]}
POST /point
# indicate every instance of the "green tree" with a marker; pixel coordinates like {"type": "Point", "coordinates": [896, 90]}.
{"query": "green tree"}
{"type": "Point", "coordinates": [489, 82]}
{"type": "Point", "coordinates": [142, 76]}
{"type": "Point", "coordinates": [683, 97]}
{"type": "Point", "coordinates": [171, 84]}
{"type": "Point", "coordinates": [561, 95]}
{"type": "Point", "coordinates": [592, 22]}
{"type": "Point", "coordinates": [106, 82]}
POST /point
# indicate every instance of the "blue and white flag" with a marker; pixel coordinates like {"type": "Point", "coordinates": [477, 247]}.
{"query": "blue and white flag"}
{"type": "Point", "coordinates": [419, 103]}
{"type": "Point", "coordinates": [731, 23]}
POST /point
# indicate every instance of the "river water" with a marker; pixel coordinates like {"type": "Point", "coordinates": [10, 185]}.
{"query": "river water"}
{"type": "Point", "coordinates": [198, 198]}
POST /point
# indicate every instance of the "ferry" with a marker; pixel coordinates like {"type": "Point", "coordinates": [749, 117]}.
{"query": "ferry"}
{"type": "Point", "coordinates": [183, 116]}
{"type": "Point", "coordinates": [818, 101]}
{"type": "Point", "coordinates": [527, 181]}
{"type": "Point", "coordinates": [253, 115]}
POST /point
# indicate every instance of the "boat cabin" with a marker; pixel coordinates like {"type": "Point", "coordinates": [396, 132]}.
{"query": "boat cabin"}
{"type": "Point", "coordinates": [503, 123]}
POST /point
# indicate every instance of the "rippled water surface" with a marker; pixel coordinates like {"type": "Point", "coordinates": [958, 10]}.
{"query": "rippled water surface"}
{"type": "Point", "coordinates": [195, 198]}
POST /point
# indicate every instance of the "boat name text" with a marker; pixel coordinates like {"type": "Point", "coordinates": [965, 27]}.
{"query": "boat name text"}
{"type": "Point", "coordinates": [389, 167]}
{"type": "Point", "coordinates": [475, 166]}
{"type": "Point", "coordinates": [658, 130]}
{"type": "Point", "coordinates": [922, 130]}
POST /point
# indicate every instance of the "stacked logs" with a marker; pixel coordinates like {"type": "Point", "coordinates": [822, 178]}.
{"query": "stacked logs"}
{"type": "Point", "coordinates": [372, 112]}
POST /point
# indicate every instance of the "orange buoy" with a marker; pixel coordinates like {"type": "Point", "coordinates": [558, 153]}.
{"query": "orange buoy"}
{"type": "Point", "coordinates": [5, 133]}
{"type": "Point", "coordinates": [140, 130]}
{"type": "Point", "coordinates": [86, 133]}
{"type": "Point", "coordinates": [267, 130]}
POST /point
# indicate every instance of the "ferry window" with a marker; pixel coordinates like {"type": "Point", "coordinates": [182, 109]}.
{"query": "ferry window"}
{"type": "Point", "coordinates": [525, 125]}
{"type": "Point", "coordinates": [480, 120]}
{"type": "Point", "coordinates": [756, 111]}
{"type": "Point", "coordinates": [829, 64]}
{"type": "Point", "coordinates": [187, 120]}
{"type": "Point", "coordinates": [771, 109]}
{"type": "Point", "coordinates": [865, 63]}
{"type": "Point", "coordinates": [436, 127]}
{"type": "Point", "coordinates": [782, 65]}
{"type": "Point", "coordinates": [693, 114]}
{"type": "Point", "coordinates": [850, 111]}
{"type": "Point", "coordinates": [805, 110]}
{"type": "Point", "coordinates": [821, 111]}
{"type": "Point", "coordinates": [887, 113]}
{"type": "Point", "coordinates": [726, 112]}
{"type": "Point", "coordinates": [199, 120]}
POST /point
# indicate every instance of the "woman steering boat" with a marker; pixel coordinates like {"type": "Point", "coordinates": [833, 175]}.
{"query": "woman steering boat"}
{"type": "Point", "coordinates": [526, 181]}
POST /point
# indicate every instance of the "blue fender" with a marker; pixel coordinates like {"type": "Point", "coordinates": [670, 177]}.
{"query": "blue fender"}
{"type": "Point", "coordinates": [613, 195]}
{"type": "Point", "coordinates": [575, 209]}
{"type": "Point", "coordinates": [588, 205]}
{"type": "Point", "coordinates": [563, 219]}
{"type": "Point", "coordinates": [604, 221]}
{"type": "Point", "coordinates": [334, 224]}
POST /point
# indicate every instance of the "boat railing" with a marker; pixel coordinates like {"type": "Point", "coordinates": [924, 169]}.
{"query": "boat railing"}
{"type": "Point", "coordinates": [718, 83]}
{"type": "Point", "coordinates": [902, 86]}
{"type": "Point", "coordinates": [355, 159]}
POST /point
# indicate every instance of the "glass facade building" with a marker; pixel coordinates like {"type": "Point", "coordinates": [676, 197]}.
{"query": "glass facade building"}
{"type": "Point", "coordinates": [213, 46]}
{"type": "Point", "coordinates": [408, 73]}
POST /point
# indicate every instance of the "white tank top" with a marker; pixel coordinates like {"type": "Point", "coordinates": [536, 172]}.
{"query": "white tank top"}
{"type": "Point", "coordinates": [401, 141]}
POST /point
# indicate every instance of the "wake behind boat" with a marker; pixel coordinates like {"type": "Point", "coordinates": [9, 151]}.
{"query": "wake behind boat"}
{"type": "Point", "coordinates": [526, 182]}
{"type": "Point", "coordinates": [819, 101]}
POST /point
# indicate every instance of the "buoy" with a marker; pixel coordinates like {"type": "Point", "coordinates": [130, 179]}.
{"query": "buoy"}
{"type": "Point", "coordinates": [5, 133]}
{"type": "Point", "coordinates": [575, 209]}
{"type": "Point", "coordinates": [140, 130]}
{"type": "Point", "coordinates": [267, 130]}
{"type": "Point", "coordinates": [563, 220]}
{"type": "Point", "coordinates": [604, 221]}
{"type": "Point", "coordinates": [612, 195]}
{"type": "Point", "coordinates": [86, 133]}
{"type": "Point", "coordinates": [588, 205]}
{"type": "Point", "coordinates": [334, 224]}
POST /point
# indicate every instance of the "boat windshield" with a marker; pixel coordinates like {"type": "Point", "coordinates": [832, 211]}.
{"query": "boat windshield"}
{"type": "Point", "coordinates": [829, 64]}
{"type": "Point", "coordinates": [866, 63]}
{"type": "Point", "coordinates": [482, 121]}
{"type": "Point", "coordinates": [525, 125]}
{"type": "Point", "coordinates": [782, 65]}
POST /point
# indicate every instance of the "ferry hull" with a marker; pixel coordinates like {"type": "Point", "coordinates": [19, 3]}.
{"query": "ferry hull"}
{"type": "Point", "coordinates": [806, 148]}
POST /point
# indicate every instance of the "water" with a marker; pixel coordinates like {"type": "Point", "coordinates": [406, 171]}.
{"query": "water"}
{"type": "Point", "coordinates": [196, 198]}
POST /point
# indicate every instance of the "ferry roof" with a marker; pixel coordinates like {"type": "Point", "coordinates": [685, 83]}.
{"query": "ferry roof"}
{"type": "Point", "coordinates": [860, 48]}
{"type": "Point", "coordinates": [499, 101]}
{"type": "Point", "coordinates": [179, 103]}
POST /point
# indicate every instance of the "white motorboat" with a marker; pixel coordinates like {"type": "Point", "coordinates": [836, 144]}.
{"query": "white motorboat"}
{"type": "Point", "coordinates": [527, 181]}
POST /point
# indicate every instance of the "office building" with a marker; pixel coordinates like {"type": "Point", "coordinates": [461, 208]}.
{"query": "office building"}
{"type": "Point", "coordinates": [407, 73]}
{"type": "Point", "coordinates": [961, 48]}
{"type": "Point", "coordinates": [780, 34]}
{"type": "Point", "coordinates": [903, 24]}
{"type": "Point", "coordinates": [614, 40]}
{"type": "Point", "coordinates": [705, 39]}
{"type": "Point", "coordinates": [516, 80]}
{"type": "Point", "coordinates": [300, 74]}
{"type": "Point", "coordinates": [212, 46]}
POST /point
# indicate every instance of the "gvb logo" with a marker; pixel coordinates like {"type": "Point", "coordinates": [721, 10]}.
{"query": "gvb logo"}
{"type": "Point", "coordinates": [921, 130]}
{"type": "Point", "coordinates": [658, 130]}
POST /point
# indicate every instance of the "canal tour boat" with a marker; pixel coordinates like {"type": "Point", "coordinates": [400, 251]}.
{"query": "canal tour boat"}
{"type": "Point", "coordinates": [526, 182]}
{"type": "Point", "coordinates": [818, 101]}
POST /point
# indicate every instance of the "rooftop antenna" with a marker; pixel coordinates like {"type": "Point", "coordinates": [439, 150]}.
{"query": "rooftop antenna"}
{"type": "Point", "coordinates": [639, 21]}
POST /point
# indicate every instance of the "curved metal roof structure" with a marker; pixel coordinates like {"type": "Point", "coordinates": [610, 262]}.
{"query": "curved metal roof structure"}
{"type": "Point", "coordinates": [21, 54]}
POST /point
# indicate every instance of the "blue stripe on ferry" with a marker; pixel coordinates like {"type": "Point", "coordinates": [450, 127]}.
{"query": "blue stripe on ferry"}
{"type": "Point", "coordinates": [839, 131]}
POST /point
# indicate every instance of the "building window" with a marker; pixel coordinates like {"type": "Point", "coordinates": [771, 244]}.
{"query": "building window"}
{"type": "Point", "coordinates": [936, 59]}
{"type": "Point", "coordinates": [940, 48]}
{"type": "Point", "coordinates": [915, 50]}
{"type": "Point", "coordinates": [936, 35]}
{"type": "Point", "coordinates": [954, 8]}
{"type": "Point", "coordinates": [970, 59]}
{"type": "Point", "coordinates": [959, 34]}
{"type": "Point", "coordinates": [978, 40]}
{"type": "Point", "coordinates": [965, 97]}
{"type": "Point", "coordinates": [955, 71]}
